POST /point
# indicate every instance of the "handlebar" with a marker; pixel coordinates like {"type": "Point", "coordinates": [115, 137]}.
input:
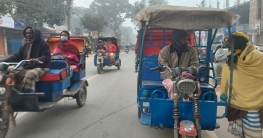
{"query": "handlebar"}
{"type": "Point", "coordinates": [19, 64]}
{"type": "Point", "coordinates": [206, 67]}
{"type": "Point", "coordinates": [161, 68]}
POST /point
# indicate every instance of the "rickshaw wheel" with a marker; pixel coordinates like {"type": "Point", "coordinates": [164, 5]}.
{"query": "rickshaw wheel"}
{"type": "Point", "coordinates": [81, 96]}
{"type": "Point", "coordinates": [100, 68]}
{"type": "Point", "coordinates": [119, 65]}
{"type": "Point", "coordinates": [4, 118]}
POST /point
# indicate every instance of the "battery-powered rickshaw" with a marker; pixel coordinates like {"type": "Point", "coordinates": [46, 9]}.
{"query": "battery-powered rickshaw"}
{"type": "Point", "coordinates": [101, 59]}
{"type": "Point", "coordinates": [57, 83]}
{"type": "Point", "coordinates": [182, 112]}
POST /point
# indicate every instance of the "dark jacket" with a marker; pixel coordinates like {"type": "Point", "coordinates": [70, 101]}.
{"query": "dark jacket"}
{"type": "Point", "coordinates": [101, 47]}
{"type": "Point", "coordinates": [40, 50]}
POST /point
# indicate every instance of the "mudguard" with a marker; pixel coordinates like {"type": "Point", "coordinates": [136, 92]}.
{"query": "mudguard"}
{"type": "Point", "coordinates": [74, 89]}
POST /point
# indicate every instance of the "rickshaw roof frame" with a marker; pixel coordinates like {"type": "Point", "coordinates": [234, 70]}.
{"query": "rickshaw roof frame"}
{"type": "Point", "coordinates": [185, 18]}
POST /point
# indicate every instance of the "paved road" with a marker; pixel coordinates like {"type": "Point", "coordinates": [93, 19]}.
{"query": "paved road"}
{"type": "Point", "coordinates": [110, 111]}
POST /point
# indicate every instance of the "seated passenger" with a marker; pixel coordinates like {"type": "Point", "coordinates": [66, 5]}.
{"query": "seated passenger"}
{"type": "Point", "coordinates": [178, 54]}
{"type": "Point", "coordinates": [111, 51]}
{"type": "Point", "coordinates": [67, 49]}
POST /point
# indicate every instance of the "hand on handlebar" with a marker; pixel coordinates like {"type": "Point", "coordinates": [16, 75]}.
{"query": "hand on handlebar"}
{"type": "Point", "coordinates": [36, 60]}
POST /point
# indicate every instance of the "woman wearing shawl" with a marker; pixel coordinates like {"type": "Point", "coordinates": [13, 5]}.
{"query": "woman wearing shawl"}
{"type": "Point", "coordinates": [245, 113]}
{"type": "Point", "coordinates": [67, 49]}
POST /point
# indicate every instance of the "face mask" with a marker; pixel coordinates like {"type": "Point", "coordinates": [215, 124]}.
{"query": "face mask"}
{"type": "Point", "coordinates": [64, 38]}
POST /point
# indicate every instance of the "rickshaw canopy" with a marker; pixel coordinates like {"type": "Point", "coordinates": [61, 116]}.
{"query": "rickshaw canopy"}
{"type": "Point", "coordinates": [186, 18]}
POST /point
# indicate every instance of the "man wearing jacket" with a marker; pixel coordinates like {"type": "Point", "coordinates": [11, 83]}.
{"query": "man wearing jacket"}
{"type": "Point", "coordinates": [34, 48]}
{"type": "Point", "coordinates": [178, 54]}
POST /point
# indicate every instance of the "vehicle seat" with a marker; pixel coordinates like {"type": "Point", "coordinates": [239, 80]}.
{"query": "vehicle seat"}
{"type": "Point", "coordinates": [58, 70]}
{"type": "Point", "coordinates": [150, 78]}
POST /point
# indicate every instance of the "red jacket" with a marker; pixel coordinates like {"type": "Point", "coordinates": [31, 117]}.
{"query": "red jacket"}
{"type": "Point", "coordinates": [112, 48]}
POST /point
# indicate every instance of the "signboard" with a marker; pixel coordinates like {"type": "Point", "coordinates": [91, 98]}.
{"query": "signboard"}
{"type": "Point", "coordinates": [7, 22]}
{"type": "Point", "coordinates": [95, 34]}
{"type": "Point", "coordinates": [232, 29]}
{"type": "Point", "coordinates": [22, 22]}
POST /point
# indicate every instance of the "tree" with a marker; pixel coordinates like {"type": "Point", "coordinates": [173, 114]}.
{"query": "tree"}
{"type": "Point", "coordinates": [51, 11]}
{"type": "Point", "coordinates": [128, 36]}
{"type": "Point", "coordinates": [139, 5]}
{"type": "Point", "coordinates": [154, 2]}
{"type": "Point", "coordinates": [93, 23]}
{"type": "Point", "coordinates": [114, 11]}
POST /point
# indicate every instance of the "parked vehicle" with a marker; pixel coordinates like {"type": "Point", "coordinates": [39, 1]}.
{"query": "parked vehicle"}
{"type": "Point", "coordinates": [154, 107]}
{"type": "Point", "coordinates": [56, 84]}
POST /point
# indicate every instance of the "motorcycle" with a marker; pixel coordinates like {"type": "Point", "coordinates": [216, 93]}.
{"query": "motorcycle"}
{"type": "Point", "coordinates": [127, 50]}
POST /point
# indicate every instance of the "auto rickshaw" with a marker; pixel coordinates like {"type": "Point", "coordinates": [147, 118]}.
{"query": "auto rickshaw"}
{"type": "Point", "coordinates": [57, 83]}
{"type": "Point", "coordinates": [101, 59]}
{"type": "Point", "coordinates": [155, 109]}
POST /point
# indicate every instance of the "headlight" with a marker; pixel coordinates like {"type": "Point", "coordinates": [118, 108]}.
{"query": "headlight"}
{"type": "Point", "coordinates": [99, 54]}
{"type": "Point", "coordinates": [186, 86]}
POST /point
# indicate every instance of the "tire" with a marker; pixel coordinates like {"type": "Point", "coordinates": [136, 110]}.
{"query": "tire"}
{"type": "Point", "coordinates": [119, 65]}
{"type": "Point", "coordinates": [81, 96]}
{"type": "Point", "coordinates": [4, 119]}
{"type": "Point", "coordinates": [100, 68]}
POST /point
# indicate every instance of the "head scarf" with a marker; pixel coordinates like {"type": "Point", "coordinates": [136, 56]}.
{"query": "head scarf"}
{"type": "Point", "coordinates": [240, 43]}
{"type": "Point", "coordinates": [37, 35]}
{"type": "Point", "coordinates": [68, 46]}
{"type": "Point", "coordinates": [177, 35]}
{"type": "Point", "coordinates": [65, 31]}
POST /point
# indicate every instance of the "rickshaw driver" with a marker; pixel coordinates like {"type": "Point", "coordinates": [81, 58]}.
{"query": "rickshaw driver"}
{"type": "Point", "coordinates": [112, 50]}
{"type": "Point", "coordinates": [33, 47]}
{"type": "Point", "coordinates": [101, 47]}
{"type": "Point", "coordinates": [178, 54]}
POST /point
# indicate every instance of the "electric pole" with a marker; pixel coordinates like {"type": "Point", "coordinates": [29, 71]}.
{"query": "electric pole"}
{"type": "Point", "coordinates": [69, 3]}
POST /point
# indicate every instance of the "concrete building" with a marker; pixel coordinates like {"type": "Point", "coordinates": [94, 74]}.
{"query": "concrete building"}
{"type": "Point", "coordinates": [251, 16]}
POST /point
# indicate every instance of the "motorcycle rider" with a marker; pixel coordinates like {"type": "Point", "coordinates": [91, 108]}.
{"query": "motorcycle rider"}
{"type": "Point", "coordinates": [127, 47]}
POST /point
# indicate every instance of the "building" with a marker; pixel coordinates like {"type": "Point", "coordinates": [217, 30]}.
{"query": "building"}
{"type": "Point", "coordinates": [250, 16]}
{"type": "Point", "coordinates": [10, 35]}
